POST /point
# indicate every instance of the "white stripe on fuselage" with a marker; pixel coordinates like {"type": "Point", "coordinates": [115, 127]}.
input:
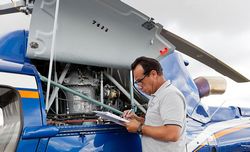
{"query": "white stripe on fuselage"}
{"type": "Point", "coordinates": [18, 80]}
{"type": "Point", "coordinates": [213, 128]}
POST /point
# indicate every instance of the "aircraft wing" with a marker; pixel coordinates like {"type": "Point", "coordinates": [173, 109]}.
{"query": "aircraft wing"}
{"type": "Point", "coordinates": [203, 56]}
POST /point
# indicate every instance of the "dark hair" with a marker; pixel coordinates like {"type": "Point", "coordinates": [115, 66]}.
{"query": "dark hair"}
{"type": "Point", "coordinates": [148, 64]}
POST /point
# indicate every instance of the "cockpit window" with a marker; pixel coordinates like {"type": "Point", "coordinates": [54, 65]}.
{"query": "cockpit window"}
{"type": "Point", "coordinates": [10, 118]}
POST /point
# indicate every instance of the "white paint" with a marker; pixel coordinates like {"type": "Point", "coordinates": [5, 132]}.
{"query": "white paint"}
{"type": "Point", "coordinates": [210, 130]}
{"type": "Point", "coordinates": [11, 65]}
{"type": "Point", "coordinates": [18, 80]}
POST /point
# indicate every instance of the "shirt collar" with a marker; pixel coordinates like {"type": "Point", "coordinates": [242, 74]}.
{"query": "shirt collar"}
{"type": "Point", "coordinates": [164, 85]}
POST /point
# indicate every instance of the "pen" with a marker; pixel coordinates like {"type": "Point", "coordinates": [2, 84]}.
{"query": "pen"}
{"type": "Point", "coordinates": [128, 112]}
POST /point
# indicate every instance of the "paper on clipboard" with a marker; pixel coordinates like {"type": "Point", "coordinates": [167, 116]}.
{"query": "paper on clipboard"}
{"type": "Point", "coordinates": [112, 117]}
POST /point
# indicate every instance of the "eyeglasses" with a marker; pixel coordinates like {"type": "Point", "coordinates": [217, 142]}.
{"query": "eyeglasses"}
{"type": "Point", "coordinates": [140, 80]}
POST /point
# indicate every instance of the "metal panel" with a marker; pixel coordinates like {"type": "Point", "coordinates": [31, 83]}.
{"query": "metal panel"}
{"type": "Point", "coordinates": [95, 32]}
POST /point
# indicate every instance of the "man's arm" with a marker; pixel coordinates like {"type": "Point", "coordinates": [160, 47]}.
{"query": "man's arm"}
{"type": "Point", "coordinates": [163, 133]}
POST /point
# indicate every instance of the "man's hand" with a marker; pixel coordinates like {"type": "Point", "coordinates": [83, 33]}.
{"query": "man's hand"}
{"type": "Point", "coordinates": [128, 114]}
{"type": "Point", "coordinates": [132, 125]}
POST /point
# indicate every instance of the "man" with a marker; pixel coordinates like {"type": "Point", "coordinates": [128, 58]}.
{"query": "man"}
{"type": "Point", "coordinates": [163, 129]}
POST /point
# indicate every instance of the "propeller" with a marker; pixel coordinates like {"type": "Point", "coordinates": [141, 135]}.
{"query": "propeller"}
{"type": "Point", "coordinates": [202, 56]}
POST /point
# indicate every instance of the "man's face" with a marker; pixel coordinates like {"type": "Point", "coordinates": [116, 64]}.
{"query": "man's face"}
{"type": "Point", "coordinates": [143, 80]}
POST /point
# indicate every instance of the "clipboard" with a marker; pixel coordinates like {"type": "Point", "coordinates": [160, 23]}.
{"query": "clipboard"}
{"type": "Point", "coordinates": [112, 117]}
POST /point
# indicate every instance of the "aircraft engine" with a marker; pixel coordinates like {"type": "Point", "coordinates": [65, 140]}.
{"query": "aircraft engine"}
{"type": "Point", "coordinates": [111, 94]}
{"type": "Point", "coordinates": [101, 84]}
{"type": "Point", "coordinates": [81, 81]}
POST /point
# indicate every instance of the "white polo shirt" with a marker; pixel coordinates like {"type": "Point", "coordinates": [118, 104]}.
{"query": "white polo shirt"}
{"type": "Point", "coordinates": [166, 107]}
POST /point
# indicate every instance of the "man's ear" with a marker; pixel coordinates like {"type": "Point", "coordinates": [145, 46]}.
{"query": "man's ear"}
{"type": "Point", "coordinates": [154, 73]}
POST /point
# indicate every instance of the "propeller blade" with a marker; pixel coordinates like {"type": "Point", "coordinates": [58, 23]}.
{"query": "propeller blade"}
{"type": "Point", "coordinates": [202, 56]}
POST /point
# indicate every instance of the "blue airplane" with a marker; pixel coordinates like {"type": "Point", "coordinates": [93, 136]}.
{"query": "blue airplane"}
{"type": "Point", "coordinates": [75, 60]}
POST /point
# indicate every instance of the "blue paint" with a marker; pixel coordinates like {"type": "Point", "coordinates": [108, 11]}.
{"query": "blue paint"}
{"type": "Point", "coordinates": [236, 141]}
{"type": "Point", "coordinates": [106, 142]}
{"type": "Point", "coordinates": [231, 141]}
{"type": "Point", "coordinates": [176, 71]}
{"type": "Point", "coordinates": [224, 113]}
{"type": "Point", "coordinates": [40, 132]}
{"type": "Point", "coordinates": [27, 145]}
{"type": "Point", "coordinates": [13, 47]}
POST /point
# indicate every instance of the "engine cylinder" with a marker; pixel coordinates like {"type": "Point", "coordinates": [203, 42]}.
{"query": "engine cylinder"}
{"type": "Point", "coordinates": [83, 82]}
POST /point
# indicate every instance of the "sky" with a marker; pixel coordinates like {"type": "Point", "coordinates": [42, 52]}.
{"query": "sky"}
{"type": "Point", "coordinates": [221, 27]}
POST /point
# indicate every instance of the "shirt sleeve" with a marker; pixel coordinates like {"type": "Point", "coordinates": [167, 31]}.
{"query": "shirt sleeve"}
{"type": "Point", "coordinates": [172, 108]}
